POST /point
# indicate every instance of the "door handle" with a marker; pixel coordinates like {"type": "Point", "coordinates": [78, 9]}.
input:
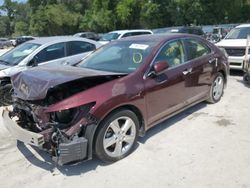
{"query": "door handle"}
{"type": "Point", "coordinates": [187, 71]}
{"type": "Point", "coordinates": [213, 60]}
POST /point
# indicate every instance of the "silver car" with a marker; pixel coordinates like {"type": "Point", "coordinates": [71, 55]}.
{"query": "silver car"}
{"type": "Point", "coordinates": [5, 43]}
{"type": "Point", "coordinates": [47, 51]}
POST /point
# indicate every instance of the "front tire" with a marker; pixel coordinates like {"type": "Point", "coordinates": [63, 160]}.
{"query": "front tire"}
{"type": "Point", "coordinates": [117, 136]}
{"type": "Point", "coordinates": [217, 89]}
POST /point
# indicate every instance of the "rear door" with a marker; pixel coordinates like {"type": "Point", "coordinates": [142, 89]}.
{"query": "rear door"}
{"type": "Point", "coordinates": [201, 58]}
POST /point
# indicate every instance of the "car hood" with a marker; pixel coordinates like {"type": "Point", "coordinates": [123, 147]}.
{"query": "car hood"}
{"type": "Point", "coordinates": [33, 84]}
{"type": "Point", "coordinates": [10, 71]}
{"type": "Point", "coordinates": [2, 67]}
{"type": "Point", "coordinates": [232, 43]}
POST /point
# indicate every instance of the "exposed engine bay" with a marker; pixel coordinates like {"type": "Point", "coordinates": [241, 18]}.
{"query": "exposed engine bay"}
{"type": "Point", "coordinates": [67, 134]}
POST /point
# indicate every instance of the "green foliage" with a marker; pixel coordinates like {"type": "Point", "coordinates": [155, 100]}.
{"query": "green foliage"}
{"type": "Point", "coordinates": [4, 20]}
{"type": "Point", "coordinates": [64, 17]}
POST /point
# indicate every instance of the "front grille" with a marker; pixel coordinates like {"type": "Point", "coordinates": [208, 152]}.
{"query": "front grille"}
{"type": "Point", "coordinates": [235, 64]}
{"type": "Point", "coordinates": [236, 51]}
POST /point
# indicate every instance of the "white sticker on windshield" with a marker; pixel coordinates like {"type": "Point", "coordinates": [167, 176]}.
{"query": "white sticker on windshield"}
{"type": "Point", "coordinates": [139, 46]}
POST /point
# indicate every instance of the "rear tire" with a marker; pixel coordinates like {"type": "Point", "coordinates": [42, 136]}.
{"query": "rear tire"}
{"type": "Point", "coordinates": [217, 89]}
{"type": "Point", "coordinates": [246, 78]}
{"type": "Point", "coordinates": [117, 136]}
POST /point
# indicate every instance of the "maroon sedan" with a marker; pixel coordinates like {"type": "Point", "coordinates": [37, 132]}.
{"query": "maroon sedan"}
{"type": "Point", "coordinates": [116, 94]}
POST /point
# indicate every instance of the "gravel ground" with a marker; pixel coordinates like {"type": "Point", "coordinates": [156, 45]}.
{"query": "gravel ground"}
{"type": "Point", "coordinates": [205, 146]}
{"type": "Point", "coordinates": [2, 51]}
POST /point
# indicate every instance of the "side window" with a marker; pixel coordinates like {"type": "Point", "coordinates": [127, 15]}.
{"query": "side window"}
{"type": "Point", "coordinates": [196, 49]}
{"type": "Point", "coordinates": [78, 47]}
{"type": "Point", "coordinates": [52, 52]}
{"type": "Point", "coordinates": [127, 35]}
{"type": "Point", "coordinates": [173, 53]}
{"type": "Point", "coordinates": [83, 35]}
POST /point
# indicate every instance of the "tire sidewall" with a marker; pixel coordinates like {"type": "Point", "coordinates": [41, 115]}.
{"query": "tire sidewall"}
{"type": "Point", "coordinates": [99, 148]}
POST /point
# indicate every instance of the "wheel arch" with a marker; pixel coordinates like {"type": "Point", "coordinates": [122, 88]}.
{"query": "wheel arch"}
{"type": "Point", "coordinates": [223, 72]}
{"type": "Point", "coordinates": [126, 107]}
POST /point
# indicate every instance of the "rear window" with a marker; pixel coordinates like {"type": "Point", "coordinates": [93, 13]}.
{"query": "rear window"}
{"type": "Point", "coordinates": [196, 49]}
{"type": "Point", "coordinates": [78, 47]}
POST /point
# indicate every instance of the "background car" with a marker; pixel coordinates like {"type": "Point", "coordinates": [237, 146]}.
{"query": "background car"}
{"type": "Point", "coordinates": [22, 39]}
{"type": "Point", "coordinates": [5, 43]}
{"type": "Point", "coordinates": [13, 41]}
{"type": "Point", "coordinates": [88, 35]}
{"type": "Point", "coordinates": [47, 51]}
{"type": "Point", "coordinates": [114, 35]}
{"type": "Point", "coordinates": [235, 45]}
{"type": "Point", "coordinates": [115, 94]}
{"type": "Point", "coordinates": [188, 29]}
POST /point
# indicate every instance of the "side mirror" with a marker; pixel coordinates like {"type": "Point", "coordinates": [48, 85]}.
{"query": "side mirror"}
{"type": "Point", "coordinates": [159, 68]}
{"type": "Point", "coordinates": [33, 62]}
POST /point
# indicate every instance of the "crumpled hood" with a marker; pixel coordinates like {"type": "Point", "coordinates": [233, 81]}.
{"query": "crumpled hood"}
{"type": "Point", "coordinates": [33, 84]}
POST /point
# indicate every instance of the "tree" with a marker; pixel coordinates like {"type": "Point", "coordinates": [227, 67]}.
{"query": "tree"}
{"type": "Point", "coordinates": [3, 25]}
{"type": "Point", "coordinates": [53, 19]}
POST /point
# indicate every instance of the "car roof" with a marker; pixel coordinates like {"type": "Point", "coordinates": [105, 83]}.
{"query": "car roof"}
{"type": "Point", "coordinates": [243, 25]}
{"type": "Point", "coordinates": [56, 39]}
{"type": "Point", "coordinates": [132, 30]}
{"type": "Point", "coordinates": [158, 37]}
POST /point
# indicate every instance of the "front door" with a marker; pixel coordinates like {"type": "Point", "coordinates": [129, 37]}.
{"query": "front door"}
{"type": "Point", "coordinates": [166, 93]}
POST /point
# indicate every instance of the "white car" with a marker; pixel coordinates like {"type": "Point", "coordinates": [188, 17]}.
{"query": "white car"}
{"type": "Point", "coordinates": [44, 51]}
{"type": "Point", "coordinates": [235, 45]}
{"type": "Point", "coordinates": [114, 35]}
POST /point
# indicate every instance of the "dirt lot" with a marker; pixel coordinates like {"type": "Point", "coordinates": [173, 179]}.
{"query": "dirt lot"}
{"type": "Point", "coordinates": [205, 146]}
{"type": "Point", "coordinates": [2, 51]}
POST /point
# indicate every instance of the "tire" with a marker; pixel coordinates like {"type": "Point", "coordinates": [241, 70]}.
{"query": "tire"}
{"type": "Point", "coordinates": [217, 89]}
{"type": "Point", "coordinates": [6, 93]}
{"type": "Point", "coordinates": [114, 140]}
{"type": "Point", "coordinates": [246, 78]}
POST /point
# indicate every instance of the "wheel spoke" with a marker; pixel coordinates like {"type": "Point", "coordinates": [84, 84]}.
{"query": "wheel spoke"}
{"type": "Point", "coordinates": [118, 149]}
{"type": "Point", "coordinates": [115, 126]}
{"type": "Point", "coordinates": [127, 125]}
{"type": "Point", "coordinates": [129, 139]}
{"type": "Point", "coordinates": [109, 141]}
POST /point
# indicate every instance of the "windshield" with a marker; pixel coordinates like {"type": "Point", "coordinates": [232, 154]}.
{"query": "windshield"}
{"type": "Point", "coordinates": [120, 57]}
{"type": "Point", "coordinates": [110, 36]}
{"type": "Point", "coordinates": [16, 55]}
{"type": "Point", "coordinates": [239, 33]}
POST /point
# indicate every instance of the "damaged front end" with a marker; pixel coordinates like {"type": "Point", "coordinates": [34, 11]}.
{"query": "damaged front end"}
{"type": "Point", "coordinates": [67, 135]}
{"type": "Point", "coordinates": [66, 132]}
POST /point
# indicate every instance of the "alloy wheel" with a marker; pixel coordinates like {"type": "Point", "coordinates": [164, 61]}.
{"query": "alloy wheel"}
{"type": "Point", "coordinates": [119, 137]}
{"type": "Point", "coordinates": [218, 87]}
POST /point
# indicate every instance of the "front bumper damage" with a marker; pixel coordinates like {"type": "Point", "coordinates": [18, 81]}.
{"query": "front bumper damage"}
{"type": "Point", "coordinates": [73, 150]}
{"type": "Point", "coordinates": [21, 134]}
